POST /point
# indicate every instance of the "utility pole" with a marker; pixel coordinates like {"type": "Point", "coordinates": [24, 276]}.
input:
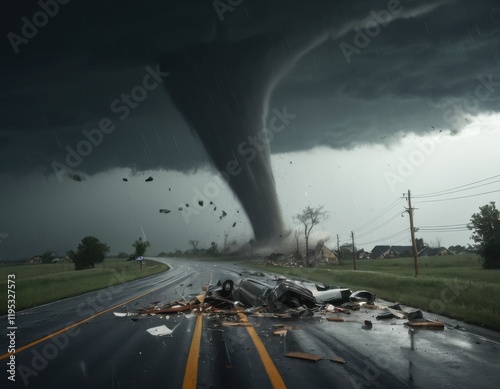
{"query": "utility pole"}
{"type": "Point", "coordinates": [353, 251]}
{"type": "Point", "coordinates": [338, 249]}
{"type": "Point", "coordinates": [412, 232]}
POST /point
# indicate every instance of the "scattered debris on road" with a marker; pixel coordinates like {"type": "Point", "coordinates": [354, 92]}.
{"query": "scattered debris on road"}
{"type": "Point", "coordinates": [161, 330]}
{"type": "Point", "coordinates": [301, 355]}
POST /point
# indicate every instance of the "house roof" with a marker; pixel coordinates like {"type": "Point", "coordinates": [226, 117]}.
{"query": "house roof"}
{"type": "Point", "coordinates": [379, 251]}
{"type": "Point", "coordinates": [402, 249]}
{"type": "Point", "coordinates": [432, 251]}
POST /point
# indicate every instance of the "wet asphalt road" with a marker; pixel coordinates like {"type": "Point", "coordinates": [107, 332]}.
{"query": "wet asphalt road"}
{"type": "Point", "coordinates": [105, 351]}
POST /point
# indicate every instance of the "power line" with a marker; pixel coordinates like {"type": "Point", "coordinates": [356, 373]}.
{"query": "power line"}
{"type": "Point", "coordinates": [438, 193]}
{"type": "Point", "coordinates": [445, 225]}
{"type": "Point", "coordinates": [384, 211]}
{"type": "Point", "coordinates": [461, 197]}
{"type": "Point", "coordinates": [380, 225]}
{"type": "Point", "coordinates": [405, 231]}
{"type": "Point", "coordinates": [457, 191]}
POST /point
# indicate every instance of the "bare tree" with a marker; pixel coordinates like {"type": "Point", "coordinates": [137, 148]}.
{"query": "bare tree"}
{"type": "Point", "coordinates": [195, 244]}
{"type": "Point", "coordinates": [310, 217]}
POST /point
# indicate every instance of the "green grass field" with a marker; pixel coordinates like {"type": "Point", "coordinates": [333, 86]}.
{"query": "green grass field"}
{"type": "Point", "coordinates": [43, 283]}
{"type": "Point", "coordinates": [454, 286]}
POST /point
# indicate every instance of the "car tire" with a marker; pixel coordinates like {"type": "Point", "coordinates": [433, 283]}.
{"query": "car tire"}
{"type": "Point", "coordinates": [227, 288]}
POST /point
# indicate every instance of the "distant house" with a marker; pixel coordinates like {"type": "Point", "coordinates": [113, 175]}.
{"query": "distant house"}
{"type": "Point", "coordinates": [434, 251]}
{"type": "Point", "coordinates": [385, 251]}
{"type": "Point", "coordinates": [380, 252]}
{"type": "Point", "coordinates": [362, 254]}
{"type": "Point", "coordinates": [275, 257]}
{"type": "Point", "coordinates": [35, 259]}
{"type": "Point", "coordinates": [322, 253]}
{"type": "Point", "coordinates": [400, 251]}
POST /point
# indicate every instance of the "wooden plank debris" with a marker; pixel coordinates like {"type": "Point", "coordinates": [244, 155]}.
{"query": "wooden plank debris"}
{"type": "Point", "coordinates": [235, 324]}
{"type": "Point", "coordinates": [301, 355]}
{"type": "Point", "coordinates": [334, 319]}
{"type": "Point", "coordinates": [338, 360]}
{"type": "Point", "coordinates": [280, 332]}
{"type": "Point", "coordinates": [426, 324]}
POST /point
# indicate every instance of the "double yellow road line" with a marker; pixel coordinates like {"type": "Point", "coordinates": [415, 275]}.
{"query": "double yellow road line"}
{"type": "Point", "coordinates": [191, 374]}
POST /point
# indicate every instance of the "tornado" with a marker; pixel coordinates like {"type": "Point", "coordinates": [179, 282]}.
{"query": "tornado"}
{"type": "Point", "coordinates": [223, 92]}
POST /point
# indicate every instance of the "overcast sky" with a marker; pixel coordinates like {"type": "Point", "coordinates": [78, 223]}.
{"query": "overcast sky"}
{"type": "Point", "coordinates": [361, 103]}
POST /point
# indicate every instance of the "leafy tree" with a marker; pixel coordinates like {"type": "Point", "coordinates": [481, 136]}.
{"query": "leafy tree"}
{"type": "Point", "coordinates": [420, 244]}
{"type": "Point", "coordinates": [213, 250]}
{"type": "Point", "coordinates": [90, 251]}
{"type": "Point", "coordinates": [309, 217]}
{"type": "Point", "coordinates": [47, 257]}
{"type": "Point", "coordinates": [457, 249]}
{"type": "Point", "coordinates": [486, 226]}
{"type": "Point", "coordinates": [140, 247]}
{"type": "Point", "coordinates": [345, 251]}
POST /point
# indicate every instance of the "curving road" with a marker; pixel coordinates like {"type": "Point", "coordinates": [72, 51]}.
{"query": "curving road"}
{"type": "Point", "coordinates": [80, 343]}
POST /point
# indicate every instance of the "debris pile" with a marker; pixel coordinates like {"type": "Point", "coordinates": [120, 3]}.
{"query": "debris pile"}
{"type": "Point", "coordinates": [254, 293]}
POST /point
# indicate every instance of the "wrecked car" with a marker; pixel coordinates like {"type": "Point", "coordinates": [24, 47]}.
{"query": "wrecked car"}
{"type": "Point", "coordinates": [275, 294]}
{"type": "Point", "coordinates": [328, 293]}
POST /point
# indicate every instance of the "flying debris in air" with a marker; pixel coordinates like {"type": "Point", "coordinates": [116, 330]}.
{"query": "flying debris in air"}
{"type": "Point", "coordinates": [125, 179]}
{"type": "Point", "coordinates": [165, 211]}
{"type": "Point", "coordinates": [180, 208]}
{"type": "Point", "coordinates": [234, 224]}
{"type": "Point", "coordinates": [215, 209]}
{"type": "Point", "coordinates": [76, 177]}
{"type": "Point", "coordinates": [149, 179]}
{"type": "Point", "coordinates": [200, 203]}
{"type": "Point", "coordinates": [169, 189]}
{"type": "Point", "coordinates": [223, 215]}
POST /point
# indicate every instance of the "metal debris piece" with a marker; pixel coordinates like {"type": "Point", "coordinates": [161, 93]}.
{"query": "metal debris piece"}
{"type": "Point", "coordinates": [161, 330]}
{"type": "Point", "coordinates": [363, 295]}
{"type": "Point", "coordinates": [124, 314]}
{"type": "Point", "coordinates": [415, 315]}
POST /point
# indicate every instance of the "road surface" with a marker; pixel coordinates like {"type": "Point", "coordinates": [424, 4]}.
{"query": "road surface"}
{"type": "Point", "coordinates": [80, 343]}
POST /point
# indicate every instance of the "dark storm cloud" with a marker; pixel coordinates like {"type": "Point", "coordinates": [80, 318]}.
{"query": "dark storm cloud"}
{"type": "Point", "coordinates": [349, 72]}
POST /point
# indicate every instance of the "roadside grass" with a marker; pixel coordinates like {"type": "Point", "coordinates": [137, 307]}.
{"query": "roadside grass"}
{"type": "Point", "coordinates": [43, 283]}
{"type": "Point", "coordinates": [454, 286]}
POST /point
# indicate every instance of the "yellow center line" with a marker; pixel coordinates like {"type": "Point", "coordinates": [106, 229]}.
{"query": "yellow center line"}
{"type": "Point", "coordinates": [191, 374]}
{"type": "Point", "coordinates": [22, 348]}
{"type": "Point", "coordinates": [271, 369]}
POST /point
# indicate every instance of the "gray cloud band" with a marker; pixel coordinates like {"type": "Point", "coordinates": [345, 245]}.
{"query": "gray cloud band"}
{"type": "Point", "coordinates": [122, 106]}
